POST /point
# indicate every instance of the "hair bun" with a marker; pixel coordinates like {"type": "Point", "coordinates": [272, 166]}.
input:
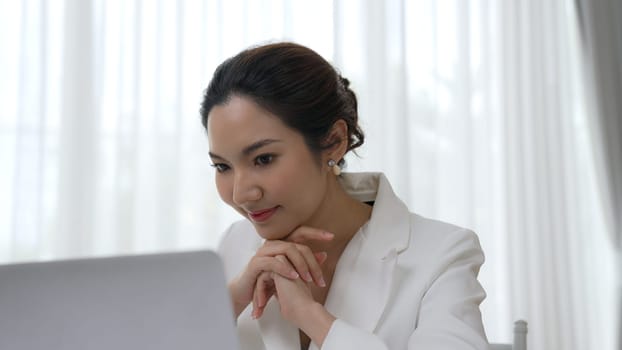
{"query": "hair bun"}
{"type": "Point", "coordinates": [344, 81]}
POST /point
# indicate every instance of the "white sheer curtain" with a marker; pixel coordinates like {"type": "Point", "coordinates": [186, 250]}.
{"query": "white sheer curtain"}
{"type": "Point", "coordinates": [475, 111]}
{"type": "Point", "coordinates": [601, 29]}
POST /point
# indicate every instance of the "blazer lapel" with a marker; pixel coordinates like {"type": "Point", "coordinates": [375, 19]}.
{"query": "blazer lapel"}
{"type": "Point", "coordinates": [361, 289]}
{"type": "Point", "coordinates": [276, 332]}
{"type": "Point", "coordinates": [364, 276]}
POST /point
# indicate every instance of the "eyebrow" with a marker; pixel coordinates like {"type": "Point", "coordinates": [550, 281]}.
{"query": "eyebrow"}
{"type": "Point", "coordinates": [250, 148]}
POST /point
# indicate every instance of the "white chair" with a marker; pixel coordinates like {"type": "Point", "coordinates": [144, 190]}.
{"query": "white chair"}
{"type": "Point", "coordinates": [520, 338]}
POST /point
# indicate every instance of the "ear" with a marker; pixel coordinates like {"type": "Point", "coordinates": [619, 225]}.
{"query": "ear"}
{"type": "Point", "coordinates": [338, 138]}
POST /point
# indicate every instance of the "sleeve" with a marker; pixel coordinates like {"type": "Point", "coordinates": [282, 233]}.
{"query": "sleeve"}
{"type": "Point", "coordinates": [237, 246]}
{"type": "Point", "coordinates": [344, 336]}
{"type": "Point", "coordinates": [449, 316]}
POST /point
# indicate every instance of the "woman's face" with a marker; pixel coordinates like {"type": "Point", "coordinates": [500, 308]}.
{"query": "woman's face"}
{"type": "Point", "coordinates": [264, 169]}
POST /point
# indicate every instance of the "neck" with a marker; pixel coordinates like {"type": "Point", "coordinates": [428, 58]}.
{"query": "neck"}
{"type": "Point", "coordinates": [341, 215]}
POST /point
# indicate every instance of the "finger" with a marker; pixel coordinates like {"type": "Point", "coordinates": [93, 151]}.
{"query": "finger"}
{"type": "Point", "coordinates": [274, 277]}
{"type": "Point", "coordinates": [280, 283]}
{"type": "Point", "coordinates": [304, 234]}
{"type": "Point", "coordinates": [262, 306]}
{"type": "Point", "coordinates": [254, 309]}
{"type": "Point", "coordinates": [264, 287]}
{"type": "Point", "coordinates": [263, 291]}
{"type": "Point", "coordinates": [279, 258]}
{"type": "Point", "coordinates": [259, 285]}
{"type": "Point", "coordinates": [312, 265]}
{"type": "Point", "coordinates": [320, 257]}
{"type": "Point", "coordinates": [294, 256]}
{"type": "Point", "coordinates": [301, 258]}
{"type": "Point", "coordinates": [280, 280]}
{"type": "Point", "coordinates": [259, 312]}
{"type": "Point", "coordinates": [258, 264]}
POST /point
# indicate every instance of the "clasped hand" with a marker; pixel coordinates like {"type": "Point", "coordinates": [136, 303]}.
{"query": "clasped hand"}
{"type": "Point", "coordinates": [281, 268]}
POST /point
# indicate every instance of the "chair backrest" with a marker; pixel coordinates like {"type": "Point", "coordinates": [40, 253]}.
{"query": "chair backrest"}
{"type": "Point", "coordinates": [520, 338]}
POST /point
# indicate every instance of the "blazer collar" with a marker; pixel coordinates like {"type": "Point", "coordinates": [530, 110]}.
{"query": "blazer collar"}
{"type": "Point", "coordinates": [364, 275]}
{"type": "Point", "coordinates": [388, 229]}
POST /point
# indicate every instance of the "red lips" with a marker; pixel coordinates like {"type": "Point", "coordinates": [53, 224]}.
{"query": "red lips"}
{"type": "Point", "coordinates": [262, 215]}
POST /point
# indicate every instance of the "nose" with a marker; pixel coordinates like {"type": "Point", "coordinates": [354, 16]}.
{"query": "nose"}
{"type": "Point", "coordinates": [245, 189]}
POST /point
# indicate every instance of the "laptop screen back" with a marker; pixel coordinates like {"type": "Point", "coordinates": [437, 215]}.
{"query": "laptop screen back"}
{"type": "Point", "coordinates": [160, 301]}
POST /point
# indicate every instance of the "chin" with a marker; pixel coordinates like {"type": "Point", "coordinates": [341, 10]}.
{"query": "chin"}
{"type": "Point", "coordinates": [271, 232]}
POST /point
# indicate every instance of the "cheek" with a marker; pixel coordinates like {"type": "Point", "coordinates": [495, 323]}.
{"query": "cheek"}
{"type": "Point", "coordinates": [225, 189]}
{"type": "Point", "coordinates": [301, 183]}
{"type": "Point", "coordinates": [286, 180]}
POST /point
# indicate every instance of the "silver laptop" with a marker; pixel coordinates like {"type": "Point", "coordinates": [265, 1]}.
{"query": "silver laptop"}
{"type": "Point", "coordinates": [161, 301]}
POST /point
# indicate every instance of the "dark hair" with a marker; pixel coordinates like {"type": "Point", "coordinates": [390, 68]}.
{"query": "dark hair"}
{"type": "Point", "coordinates": [292, 82]}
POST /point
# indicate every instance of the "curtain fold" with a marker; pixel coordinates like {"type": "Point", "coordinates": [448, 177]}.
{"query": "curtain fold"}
{"type": "Point", "coordinates": [476, 112]}
{"type": "Point", "coordinates": [77, 162]}
{"type": "Point", "coordinates": [601, 29]}
{"type": "Point", "coordinates": [601, 25]}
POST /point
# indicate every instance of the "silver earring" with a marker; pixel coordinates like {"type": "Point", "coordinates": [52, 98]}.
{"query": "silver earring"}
{"type": "Point", "coordinates": [336, 168]}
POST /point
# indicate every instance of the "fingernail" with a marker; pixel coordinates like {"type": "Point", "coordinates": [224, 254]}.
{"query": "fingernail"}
{"type": "Point", "coordinates": [254, 314]}
{"type": "Point", "coordinates": [322, 282]}
{"type": "Point", "coordinates": [328, 234]}
{"type": "Point", "coordinates": [308, 277]}
{"type": "Point", "coordinates": [294, 274]}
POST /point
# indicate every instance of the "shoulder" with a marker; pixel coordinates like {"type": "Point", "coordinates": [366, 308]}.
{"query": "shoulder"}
{"type": "Point", "coordinates": [238, 244]}
{"type": "Point", "coordinates": [435, 232]}
{"type": "Point", "coordinates": [418, 239]}
{"type": "Point", "coordinates": [438, 244]}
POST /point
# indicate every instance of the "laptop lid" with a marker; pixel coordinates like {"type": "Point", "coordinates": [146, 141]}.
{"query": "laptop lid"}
{"type": "Point", "coordinates": [160, 301]}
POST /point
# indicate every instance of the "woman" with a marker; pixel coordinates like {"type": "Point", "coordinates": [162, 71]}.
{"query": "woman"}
{"type": "Point", "coordinates": [326, 259]}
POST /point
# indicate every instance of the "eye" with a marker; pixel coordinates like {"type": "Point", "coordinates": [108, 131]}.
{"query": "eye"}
{"type": "Point", "coordinates": [220, 167]}
{"type": "Point", "coordinates": [264, 159]}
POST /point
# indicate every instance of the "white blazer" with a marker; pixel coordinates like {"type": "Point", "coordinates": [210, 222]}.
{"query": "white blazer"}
{"type": "Point", "coordinates": [403, 282]}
